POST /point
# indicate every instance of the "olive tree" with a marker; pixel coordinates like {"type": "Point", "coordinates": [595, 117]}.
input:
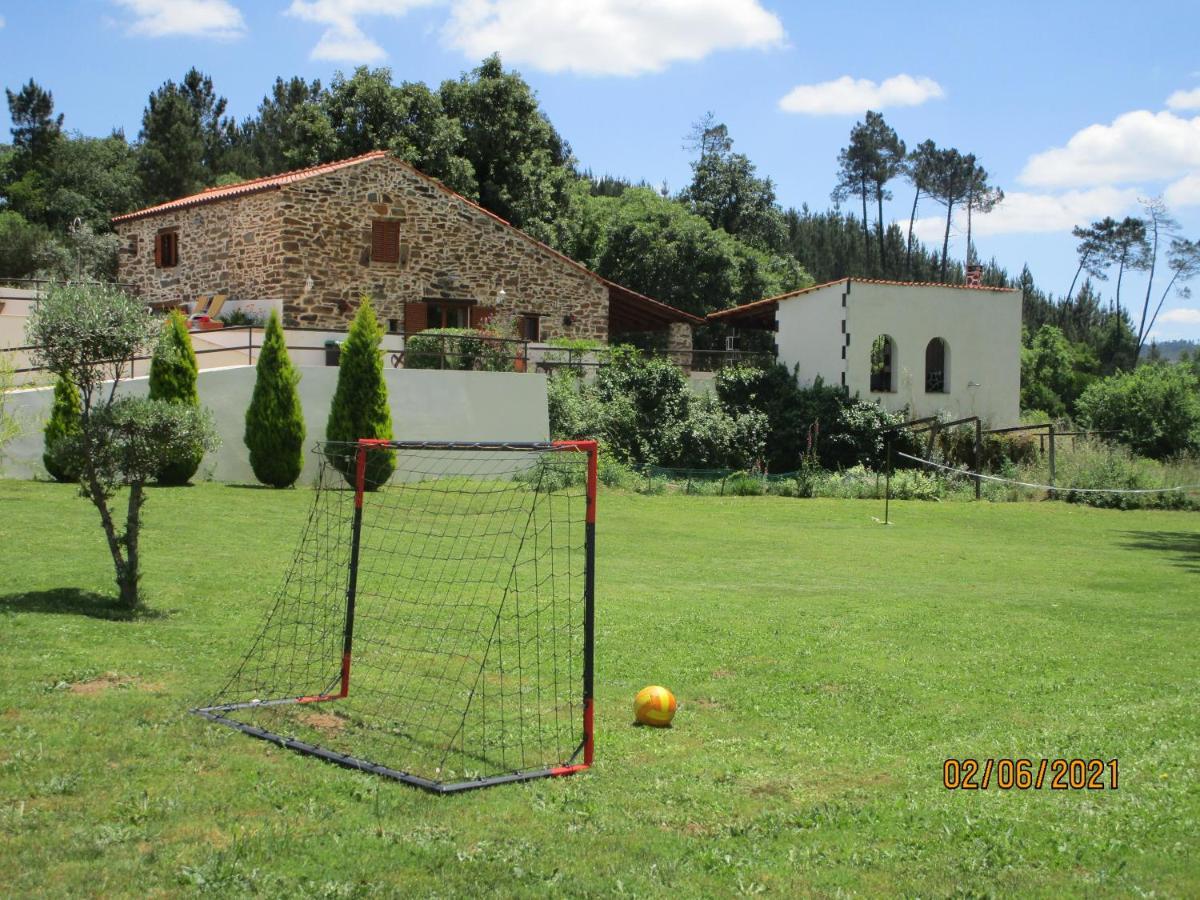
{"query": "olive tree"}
{"type": "Point", "coordinates": [88, 334]}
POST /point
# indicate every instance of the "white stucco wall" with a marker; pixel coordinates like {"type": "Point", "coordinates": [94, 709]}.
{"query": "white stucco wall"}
{"type": "Point", "coordinates": [981, 327]}
{"type": "Point", "coordinates": [810, 334]}
{"type": "Point", "coordinates": [426, 405]}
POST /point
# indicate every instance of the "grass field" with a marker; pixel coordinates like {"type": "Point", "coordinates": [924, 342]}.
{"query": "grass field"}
{"type": "Point", "coordinates": [825, 666]}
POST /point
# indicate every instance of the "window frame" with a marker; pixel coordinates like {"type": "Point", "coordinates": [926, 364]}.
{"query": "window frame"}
{"type": "Point", "coordinates": [888, 366]}
{"type": "Point", "coordinates": [943, 371]}
{"type": "Point", "coordinates": [385, 241]}
{"type": "Point", "coordinates": [166, 248]}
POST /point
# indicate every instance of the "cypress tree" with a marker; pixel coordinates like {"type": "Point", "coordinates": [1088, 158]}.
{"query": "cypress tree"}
{"type": "Point", "coordinates": [274, 419]}
{"type": "Point", "coordinates": [360, 403]}
{"type": "Point", "coordinates": [64, 423]}
{"type": "Point", "coordinates": [173, 372]}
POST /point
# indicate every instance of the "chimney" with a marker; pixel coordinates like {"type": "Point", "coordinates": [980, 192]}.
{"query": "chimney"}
{"type": "Point", "coordinates": [974, 276]}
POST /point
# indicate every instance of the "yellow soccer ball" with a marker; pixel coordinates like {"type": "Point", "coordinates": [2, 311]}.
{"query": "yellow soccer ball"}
{"type": "Point", "coordinates": [654, 705]}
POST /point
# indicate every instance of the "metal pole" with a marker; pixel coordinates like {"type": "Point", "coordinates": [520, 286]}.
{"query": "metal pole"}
{"type": "Point", "coordinates": [1052, 460]}
{"type": "Point", "coordinates": [887, 490]}
{"type": "Point", "coordinates": [978, 459]}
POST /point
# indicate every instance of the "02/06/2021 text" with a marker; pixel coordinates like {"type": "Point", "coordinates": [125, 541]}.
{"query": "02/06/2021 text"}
{"type": "Point", "coordinates": [1027, 774]}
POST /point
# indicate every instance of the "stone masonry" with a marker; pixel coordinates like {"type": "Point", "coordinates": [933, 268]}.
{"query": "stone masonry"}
{"type": "Point", "coordinates": [308, 242]}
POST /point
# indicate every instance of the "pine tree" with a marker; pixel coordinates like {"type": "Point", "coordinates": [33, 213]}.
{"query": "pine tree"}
{"type": "Point", "coordinates": [173, 372]}
{"type": "Point", "coordinates": [64, 423]}
{"type": "Point", "coordinates": [360, 402]}
{"type": "Point", "coordinates": [274, 419]}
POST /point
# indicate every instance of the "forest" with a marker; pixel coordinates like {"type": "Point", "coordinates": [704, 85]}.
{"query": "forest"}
{"type": "Point", "coordinates": [723, 239]}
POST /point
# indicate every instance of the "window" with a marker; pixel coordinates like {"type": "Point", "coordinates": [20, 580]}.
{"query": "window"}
{"type": "Point", "coordinates": [385, 241]}
{"type": "Point", "coordinates": [166, 249]}
{"type": "Point", "coordinates": [935, 367]}
{"type": "Point", "coordinates": [443, 314]}
{"type": "Point", "coordinates": [530, 327]}
{"type": "Point", "coordinates": [883, 361]}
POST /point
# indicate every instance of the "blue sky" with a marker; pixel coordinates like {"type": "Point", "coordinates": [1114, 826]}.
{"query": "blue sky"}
{"type": "Point", "coordinates": [1076, 108]}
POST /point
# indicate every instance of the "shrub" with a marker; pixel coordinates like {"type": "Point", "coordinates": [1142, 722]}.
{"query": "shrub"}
{"type": "Point", "coordinates": [61, 429]}
{"type": "Point", "coordinates": [173, 373]}
{"type": "Point", "coordinates": [713, 438]}
{"type": "Point", "coordinates": [957, 446]}
{"type": "Point", "coordinates": [649, 399]}
{"type": "Point", "coordinates": [458, 349]}
{"type": "Point", "coordinates": [360, 402]}
{"type": "Point", "coordinates": [1155, 410]}
{"type": "Point", "coordinates": [274, 420]}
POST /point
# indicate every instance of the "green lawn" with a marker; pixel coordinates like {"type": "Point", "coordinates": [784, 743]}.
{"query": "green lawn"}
{"type": "Point", "coordinates": [825, 667]}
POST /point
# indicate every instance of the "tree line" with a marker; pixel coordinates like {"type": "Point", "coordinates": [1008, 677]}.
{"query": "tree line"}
{"type": "Point", "coordinates": [722, 239]}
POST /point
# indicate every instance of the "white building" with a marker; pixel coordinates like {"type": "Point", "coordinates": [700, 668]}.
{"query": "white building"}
{"type": "Point", "coordinates": [937, 347]}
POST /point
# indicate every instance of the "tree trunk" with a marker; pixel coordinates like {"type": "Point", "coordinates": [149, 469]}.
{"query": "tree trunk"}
{"type": "Point", "coordinates": [100, 501]}
{"type": "Point", "coordinates": [1158, 309]}
{"type": "Point", "coordinates": [911, 221]}
{"type": "Point", "coordinates": [879, 229]}
{"type": "Point", "coordinates": [866, 231]}
{"type": "Point", "coordinates": [1071, 289]}
{"type": "Point", "coordinates": [1120, 275]}
{"type": "Point", "coordinates": [1142, 329]}
{"type": "Point", "coordinates": [129, 575]}
{"type": "Point", "coordinates": [946, 240]}
{"type": "Point", "coordinates": [970, 252]}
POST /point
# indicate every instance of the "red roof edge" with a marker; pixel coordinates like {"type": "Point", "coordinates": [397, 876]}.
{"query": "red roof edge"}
{"type": "Point", "coordinates": [767, 301]}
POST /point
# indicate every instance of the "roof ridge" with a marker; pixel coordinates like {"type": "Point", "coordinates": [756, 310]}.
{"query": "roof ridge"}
{"type": "Point", "coordinates": [250, 186]}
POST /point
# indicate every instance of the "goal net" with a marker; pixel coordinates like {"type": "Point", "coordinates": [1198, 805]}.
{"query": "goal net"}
{"type": "Point", "coordinates": [435, 624]}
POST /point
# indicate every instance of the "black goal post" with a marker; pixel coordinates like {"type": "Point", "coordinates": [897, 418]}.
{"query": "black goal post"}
{"type": "Point", "coordinates": [436, 624]}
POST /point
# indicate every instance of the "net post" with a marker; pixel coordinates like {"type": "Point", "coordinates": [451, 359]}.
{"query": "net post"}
{"type": "Point", "coordinates": [589, 604]}
{"type": "Point", "coordinates": [360, 483]}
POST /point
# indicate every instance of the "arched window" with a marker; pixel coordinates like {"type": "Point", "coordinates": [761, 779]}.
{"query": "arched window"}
{"type": "Point", "coordinates": [883, 363]}
{"type": "Point", "coordinates": [937, 379]}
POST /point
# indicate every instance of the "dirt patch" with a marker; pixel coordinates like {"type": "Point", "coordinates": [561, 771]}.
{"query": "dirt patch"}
{"type": "Point", "coordinates": [152, 687]}
{"type": "Point", "coordinates": [13, 713]}
{"type": "Point", "coordinates": [704, 703]}
{"type": "Point", "coordinates": [101, 684]}
{"type": "Point", "coordinates": [772, 789]}
{"type": "Point", "coordinates": [722, 673]}
{"type": "Point", "coordinates": [325, 721]}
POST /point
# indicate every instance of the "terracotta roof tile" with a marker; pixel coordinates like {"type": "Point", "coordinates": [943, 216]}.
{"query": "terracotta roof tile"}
{"type": "Point", "coordinates": [242, 188]}
{"type": "Point", "coordinates": [765, 303]}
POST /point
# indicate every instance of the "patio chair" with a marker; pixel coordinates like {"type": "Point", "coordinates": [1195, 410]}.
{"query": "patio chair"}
{"type": "Point", "coordinates": [200, 307]}
{"type": "Point", "coordinates": [214, 308]}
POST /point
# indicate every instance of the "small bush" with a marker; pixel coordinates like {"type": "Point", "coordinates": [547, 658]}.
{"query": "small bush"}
{"type": "Point", "coordinates": [173, 375]}
{"type": "Point", "coordinates": [743, 484]}
{"type": "Point", "coordinates": [458, 349]}
{"type": "Point", "coordinates": [61, 430]}
{"type": "Point", "coordinates": [274, 420]}
{"type": "Point", "coordinates": [360, 402]}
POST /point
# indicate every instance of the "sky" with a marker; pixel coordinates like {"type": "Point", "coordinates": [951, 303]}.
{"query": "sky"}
{"type": "Point", "coordinates": [1077, 108]}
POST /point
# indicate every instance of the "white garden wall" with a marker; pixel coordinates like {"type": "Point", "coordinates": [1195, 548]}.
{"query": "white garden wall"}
{"type": "Point", "coordinates": [426, 405]}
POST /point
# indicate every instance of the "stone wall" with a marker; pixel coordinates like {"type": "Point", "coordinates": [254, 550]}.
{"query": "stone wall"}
{"type": "Point", "coordinates": [270, 244]}
{"type": "Point", "coordinates": [449, 249]}
{"type": "Point", "coordinates": [230, 247]}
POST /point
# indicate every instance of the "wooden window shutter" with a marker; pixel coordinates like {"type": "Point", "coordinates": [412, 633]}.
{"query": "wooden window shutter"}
{"type": "Point", "coordinates": [481, 315]}
{"type": "Point", "coordinates": [416, 317]}
{"type": "Point", "coordinates": [158, 260]}
{"type": "Point", "coordinates": [385, 241]}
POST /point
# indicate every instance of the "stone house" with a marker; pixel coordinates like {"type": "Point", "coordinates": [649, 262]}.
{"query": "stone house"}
{"type": "Point", "coordinates": [318, 239]}
{"type": "Point", "coordinates": [927, 348]}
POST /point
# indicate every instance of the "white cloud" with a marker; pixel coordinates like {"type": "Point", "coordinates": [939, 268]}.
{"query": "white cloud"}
{"type": "Point", "coordinates": [1181, 316]}
{"type": "Point", "coordinates": [608, 37]}
{"type": "Point", "coordinates": [343, 39]}
{"type": "Point", "coordinates": [1184, 192]}
{"type": "Point", "coordinates": [1184, 99]}
{"type": "Point", "coordinates": [1137, 146]}
{"type": "Point", "coordinates": [850, 96]}
{"type": "Point", "coordinates": [185, 18]}
{"type": "Point", "coordinates": [1029, 213]}
{"type": "Point", "coordinates": [1, 21]}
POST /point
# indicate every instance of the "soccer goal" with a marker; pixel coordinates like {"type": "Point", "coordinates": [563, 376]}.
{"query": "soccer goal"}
{"type": "Point", "coordinates": [436, 623]}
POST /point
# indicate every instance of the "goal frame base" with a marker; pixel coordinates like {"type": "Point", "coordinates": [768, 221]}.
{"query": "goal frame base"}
{"type": "Point", "coordinates": [213, 714]}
